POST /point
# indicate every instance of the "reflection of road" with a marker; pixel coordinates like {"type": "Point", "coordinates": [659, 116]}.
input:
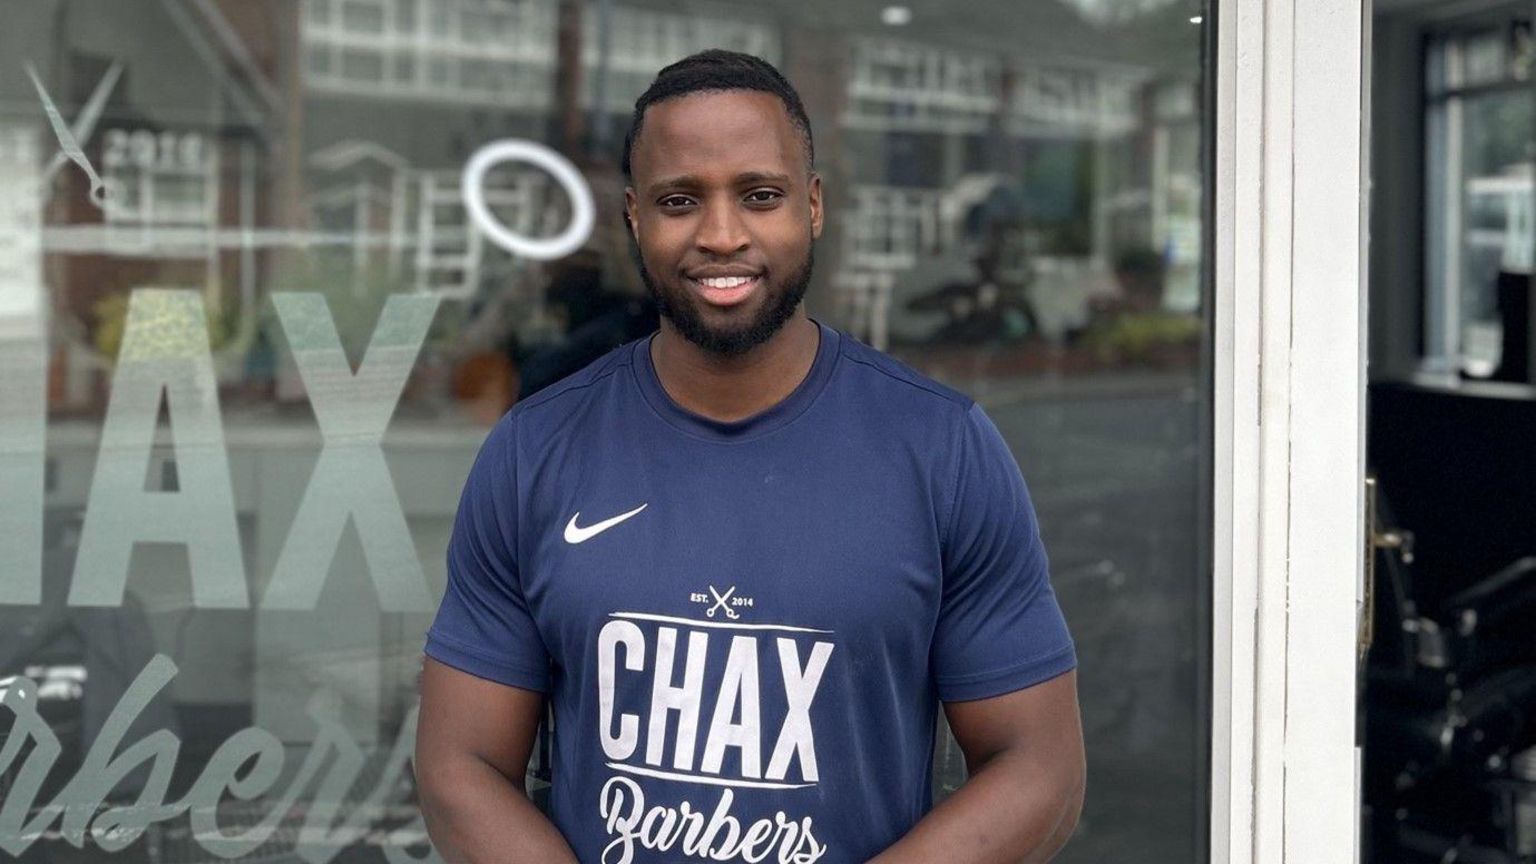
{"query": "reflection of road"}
{"type": "Point", "coordinates": [1115, 484]}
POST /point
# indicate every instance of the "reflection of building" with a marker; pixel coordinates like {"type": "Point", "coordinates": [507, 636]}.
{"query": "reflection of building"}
{"type": "Point", "coordinates": [943, 137]}
{"type": "Point", "coordinates": [176, 122]}
{"type": "Point", "coordinates": [442, 62]}
{"type": "Point", "coordinates": [500, 53]}
{"type": "Point", "coordinates": [1051, 162]}
{"type": "Point", "coordinates": [159, 187]}
{"type": "Point", "coordinates": [900, 85]}
{"type": "Point", "coordinates": [1046, 164]}
{"type": "Point", "coordinates": [923, 117]}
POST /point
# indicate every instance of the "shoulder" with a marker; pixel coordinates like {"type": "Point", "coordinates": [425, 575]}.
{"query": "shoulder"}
{"type": "Point", "coordinates": [552, 409]}
{"type": "Point", "coordinates": [898, 396]}
{"type": "Point", "coordinates": [894, 378]}
{"type": "Point", "coordinates": [569, 391]}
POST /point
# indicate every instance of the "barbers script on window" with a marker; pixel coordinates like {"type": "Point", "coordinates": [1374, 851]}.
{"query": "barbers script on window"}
{"type": "Point", "coordinates": [245, 767]}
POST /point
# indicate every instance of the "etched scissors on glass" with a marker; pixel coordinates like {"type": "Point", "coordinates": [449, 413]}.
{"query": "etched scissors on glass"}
{"type": "Point", "coordinates": [85, 124]}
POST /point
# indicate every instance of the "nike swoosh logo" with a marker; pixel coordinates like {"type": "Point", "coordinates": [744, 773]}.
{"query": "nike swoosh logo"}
{"type": "Point", "coordinates": [576, 534]}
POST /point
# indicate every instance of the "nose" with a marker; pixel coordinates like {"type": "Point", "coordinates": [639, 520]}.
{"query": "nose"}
{"type": "Point", "coordinates": [721, 231]}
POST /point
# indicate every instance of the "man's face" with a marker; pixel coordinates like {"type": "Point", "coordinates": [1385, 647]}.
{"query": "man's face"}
{"type": "Point", "coordinates": [724, 211]}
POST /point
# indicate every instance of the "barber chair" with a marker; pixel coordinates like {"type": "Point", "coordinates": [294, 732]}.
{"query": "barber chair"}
{"type": "Point", "coordinates": [1449, 705]}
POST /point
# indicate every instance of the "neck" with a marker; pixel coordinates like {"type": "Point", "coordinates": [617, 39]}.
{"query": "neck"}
{"type": "Point", "coordinates": [734, 388]}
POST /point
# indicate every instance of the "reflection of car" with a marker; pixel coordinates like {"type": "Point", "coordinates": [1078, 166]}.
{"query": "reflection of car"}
{"type": "Point", "coordinates": [976, 311]}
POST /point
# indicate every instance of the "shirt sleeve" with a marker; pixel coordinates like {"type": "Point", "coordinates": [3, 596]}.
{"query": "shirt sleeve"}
{"type": "Point", "coordinates": [484, 626]}
{"type": "Point", "coordinates": [1000, 628]}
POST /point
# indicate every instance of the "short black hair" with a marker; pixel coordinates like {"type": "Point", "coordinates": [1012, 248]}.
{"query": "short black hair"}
{"type": "Point", "coordinates": [714, 70]}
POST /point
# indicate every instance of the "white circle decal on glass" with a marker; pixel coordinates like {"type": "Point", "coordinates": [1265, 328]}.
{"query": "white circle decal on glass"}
{"type": "Point", "coordinates": [575, 186]}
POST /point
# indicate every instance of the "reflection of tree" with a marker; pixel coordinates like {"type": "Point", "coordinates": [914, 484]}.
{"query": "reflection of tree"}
{"type": "Point", "coordinates": [225, 326]}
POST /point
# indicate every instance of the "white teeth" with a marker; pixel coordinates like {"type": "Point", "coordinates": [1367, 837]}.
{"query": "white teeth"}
{"type": "Point", "coordinates": [725, 281]}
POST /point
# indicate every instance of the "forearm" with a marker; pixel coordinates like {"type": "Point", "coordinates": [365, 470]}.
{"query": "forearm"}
{"type": "Point", "coordinates": [1008, 812]}
{"type": "Point", "coordinates": [475, 815]}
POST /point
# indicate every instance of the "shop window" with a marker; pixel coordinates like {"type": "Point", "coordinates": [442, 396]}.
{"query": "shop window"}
{"type": "Point", "coordinates": [319, 265]}
{"type": "Point", "coordinates": [1479, 129]}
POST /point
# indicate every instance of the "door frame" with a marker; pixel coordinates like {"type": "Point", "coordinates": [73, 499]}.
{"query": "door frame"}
{"type": "Point", "coordinates": [1288, 463]}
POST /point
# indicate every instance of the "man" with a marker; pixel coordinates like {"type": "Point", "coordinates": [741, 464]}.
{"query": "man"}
{"type": "Point", "coordinates": [745, 559]}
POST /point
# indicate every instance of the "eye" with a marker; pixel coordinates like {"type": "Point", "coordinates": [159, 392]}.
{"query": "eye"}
{"type": "Point", "coordinates": [764, 196]}
{"type": "Point", "coordinates": [674, 202]}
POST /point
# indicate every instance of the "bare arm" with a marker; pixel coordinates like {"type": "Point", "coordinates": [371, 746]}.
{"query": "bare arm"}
{"type": "Point", "coordinates": [1024, 755]}
{"type": "Point", "coordinates": [472, 748]}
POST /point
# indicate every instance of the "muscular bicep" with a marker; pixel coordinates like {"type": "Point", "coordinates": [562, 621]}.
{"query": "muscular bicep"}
{"type": "Point", "coordinates": [472, 747]}
{"type": "Point", "coordinates": [1039, 723]}
{"type": "Point", "coordinates": [464, 716]}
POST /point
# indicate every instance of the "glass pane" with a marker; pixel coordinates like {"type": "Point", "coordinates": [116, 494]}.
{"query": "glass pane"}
{"type": "Point", "coordinates": [1497, 133]}
{"type": "Point", "coordinates": [246, 372]}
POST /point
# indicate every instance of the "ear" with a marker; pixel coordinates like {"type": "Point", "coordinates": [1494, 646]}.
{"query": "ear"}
{"type": "Point", "coordinates": [631, 212]}
{"type": "Point", "coordinates": [815, 206]}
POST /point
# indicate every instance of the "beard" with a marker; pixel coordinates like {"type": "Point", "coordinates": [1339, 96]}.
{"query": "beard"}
{"type": "Point", "coordinates": [779, 304]}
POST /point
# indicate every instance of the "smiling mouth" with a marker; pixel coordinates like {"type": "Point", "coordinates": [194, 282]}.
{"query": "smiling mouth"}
{"type": "Point", "coordinates": [725, 290]}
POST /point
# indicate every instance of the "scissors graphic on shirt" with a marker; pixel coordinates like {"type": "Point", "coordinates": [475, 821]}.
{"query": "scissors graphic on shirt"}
{"type": "Point", "coordinates": [720, 603]}
{"type": "Point", "coordinates": [84, 125]}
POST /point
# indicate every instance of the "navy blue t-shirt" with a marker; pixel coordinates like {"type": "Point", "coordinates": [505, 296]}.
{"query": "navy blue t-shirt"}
{"type": "Point", "coordinates": [745, 627]}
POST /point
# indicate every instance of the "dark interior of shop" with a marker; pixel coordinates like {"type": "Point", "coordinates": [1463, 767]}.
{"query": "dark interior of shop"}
{"type": "Point", "coordinates": [1448, 699]}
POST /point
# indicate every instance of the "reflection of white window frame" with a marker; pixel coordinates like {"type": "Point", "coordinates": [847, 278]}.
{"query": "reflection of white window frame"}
{"type": "Point", "coordinates": [501, 53]}
{"type": "Point", "coordinates": [643, 41]}
{"type": "Point", "coordinates": [362, 197]}
{"type": "Point", "coordinates": [437, 52]}
{"type": "Point", "coordinates": [140, 168]}
{"type": "Point", "coordinates": [21, 238]}
{"type": "Point", "coordinates": [1073, 100]}
{"type": "Point", "coordinates": [1463, 64]}
{"type": "Point", "coordinates": [900, 85]}
{"type": "Point", "coordinates": [450, 250]}
{"type": "Point", "coordinates": [886, 228]}
{"type": "Point", "coordinates": [1509, 194]}
{"type": "Point", "coordinates": [897, 85]}
{"type": "Point", "coordinates": [862, 299]}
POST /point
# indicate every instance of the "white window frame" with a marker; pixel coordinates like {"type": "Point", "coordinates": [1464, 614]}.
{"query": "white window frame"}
{"type": "Point", "coordinates": [1289, 423]}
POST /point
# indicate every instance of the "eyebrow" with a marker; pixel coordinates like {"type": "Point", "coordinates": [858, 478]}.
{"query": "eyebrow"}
{"type": "Point", "coordinates": [690, 180]}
